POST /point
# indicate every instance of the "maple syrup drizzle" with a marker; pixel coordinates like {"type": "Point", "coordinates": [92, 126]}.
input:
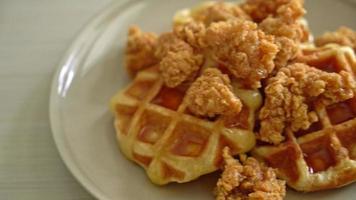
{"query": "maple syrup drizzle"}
{"type": "Point", "coordinates": [341, 112]}
{"type": "Point", "coordinates": [318, 154]}
{"type": "Point", "coordinates": [169, 98]}
{"type": "Point", "coordinates": [285, 161]}
{"type": "Point", "coordinates": [238, 121]}
{"type": "Point", "coordinates": [140, 89]}
{"type": "Point", "coordinates": [328, 65]}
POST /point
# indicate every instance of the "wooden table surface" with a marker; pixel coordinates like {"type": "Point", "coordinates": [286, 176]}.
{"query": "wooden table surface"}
{"type": "Point", "coordinates": [34, 34]}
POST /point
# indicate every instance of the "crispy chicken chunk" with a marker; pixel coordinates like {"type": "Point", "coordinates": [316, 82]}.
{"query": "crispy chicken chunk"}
{"type": "Point", "coordinates": [343, 36]}
{"type": "Point", "coordinates": [247, 52]}
{"type": "Point", "coordinates": [285, 23]}
{"type": "Point", "coordinates": [261, 9]}
{"type": "Point", "coordinates": [211, 94]}
{"type": "Point", "coordinates": [178, 62]}
{"type": "Point", "coordinates": [288, 30]}
{"type": "Point", "coordinates": [193, 33]}
{"type": "Point", "coordinates": [248, 181]}
{"type": "Point", "coordinates": [219, 11]}
{"type": "Point", "coordinates": [177, 67]}
{"type": "Point", "coordinates": [291, 11]}
{"type": "Point", "coordinates": [289, 50]}
{"type": "Point", "coordinates": [170, 42]}
{"type": "Point", "coordinates": [140, 50]}
{"type": "Point", "coordinates": [289, 94]}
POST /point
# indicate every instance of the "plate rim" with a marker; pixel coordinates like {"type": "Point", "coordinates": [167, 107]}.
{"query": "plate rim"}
{"type": "Point", "coordinates": [54, 98]}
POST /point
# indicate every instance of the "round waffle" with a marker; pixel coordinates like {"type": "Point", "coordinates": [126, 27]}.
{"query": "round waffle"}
{"type": "Point", "coordinates": [155, 130]}
{"type": "Point", "coordinates": [324, 156]}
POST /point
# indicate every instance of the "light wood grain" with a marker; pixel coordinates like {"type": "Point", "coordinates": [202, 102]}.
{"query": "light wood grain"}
{"type": "Point", "coordinates": [34, 34]}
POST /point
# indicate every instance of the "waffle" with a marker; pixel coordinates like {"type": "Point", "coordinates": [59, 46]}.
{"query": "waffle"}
{"type": "Point", "coordinates": [155, 130]}
{"type": "Point", "coordinates": [324, 156]}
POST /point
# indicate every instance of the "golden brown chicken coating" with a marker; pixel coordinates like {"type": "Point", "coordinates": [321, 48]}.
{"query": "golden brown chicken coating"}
{"type": "Point", "coordinates": [289, 32]}
{"type": "Point", "coordinates": [248, 181]}
{"type": "Point", "coordinates": [178, 62]}
{"type": "Point", "coordinates": [285, 23]}
{"type": "Point", "coordinates": [219, 11]}
{"type": "Point", "coordinates": [243, 49]}
{"type": "Point", "coordinates": [261, 9]}
{"type": "Point", "coordinates": [140, 50]}
{"type": "Point", "coordinates": [288, 51]}
{"type": "Point", "coordinates": [193, 33]}
{"type": "Point", "coordinates": [211, 95]}
{"type": "Point", "coordinates": [177, 67]}
{"type": "Point", "coordinates": [170, 42]}
{"type": "Point", "coordinates": [289, 94]}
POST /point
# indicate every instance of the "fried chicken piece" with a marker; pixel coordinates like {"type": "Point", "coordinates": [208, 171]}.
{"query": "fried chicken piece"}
{"type": "Point", "coordinates": [170, 42]}
{"type": "Point", "coordinates": [343, 36]}
{"type": "Point", "coordinates": [211, 95]}
{"type": "Point", "coordinates": [193, 33]}
{"type": "Point", "coordinates": [177, 67]}
{"type": "Point", "coordinates": [291, 11]}
{"type": "Point", "coordinates": [261, 9]}
{"type": "Point", "coordinates": [289, 94]}
{"type": "Point", "coordinates": [250, 180]}
{"type": "Point", "coordinates": [285, 23]}
{"type": "Point", "coordinates": [140, 50]}
{"type": "Point", "coordinates": [178, 62]}
{"type": "Point", "coordinates": [289, 50]}
{"type": "Point", "coordinates": [219, 11]}
{"type": "Point", "coordinates": [242, 48]}
{"type": "Point", "coordinates": [288, 30]}
{"type": "Point", "coordinates": [287, 37]}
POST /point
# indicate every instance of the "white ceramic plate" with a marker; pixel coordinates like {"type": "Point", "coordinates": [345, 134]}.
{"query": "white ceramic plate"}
{"type": "Point", "coordinates": [92, 71]}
